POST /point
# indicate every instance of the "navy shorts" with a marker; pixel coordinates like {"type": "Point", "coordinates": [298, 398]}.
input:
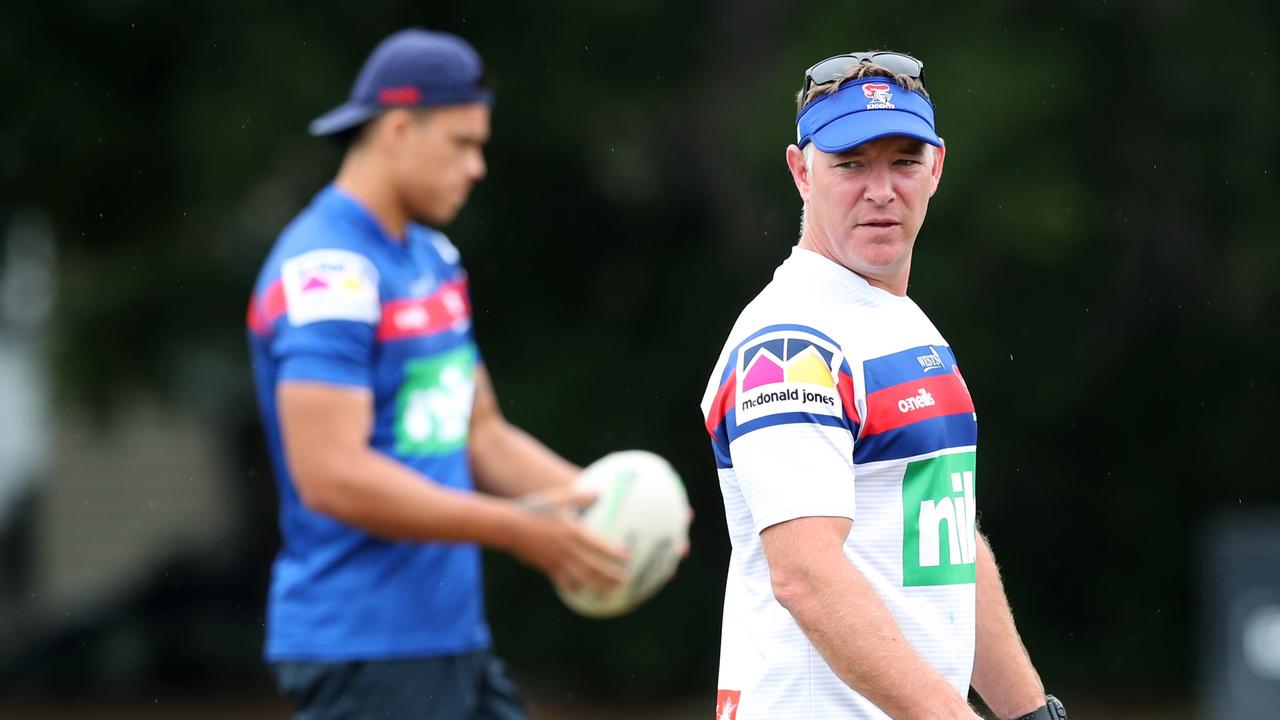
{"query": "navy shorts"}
{"type": "Point", "coordinates": [474, 686]}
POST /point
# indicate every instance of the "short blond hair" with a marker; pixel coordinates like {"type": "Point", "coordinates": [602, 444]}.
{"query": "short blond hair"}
{"type": "Point", "coordinates": [857, 71]}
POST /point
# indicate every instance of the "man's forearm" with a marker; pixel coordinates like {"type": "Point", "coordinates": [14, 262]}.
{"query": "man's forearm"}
{"type": "Point", "coordinates": [509, 462]}
{"type": "Point", "coordinates": [380, 495]}
{"type": "Point", "coordinates": [1002, 671]}
{"type": "Point", "coordinates": [850, 626]}
{"type": "Point", "coordinates": [325, 431]}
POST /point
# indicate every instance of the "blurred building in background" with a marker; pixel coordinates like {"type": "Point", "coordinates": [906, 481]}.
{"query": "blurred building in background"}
{"type": "Point", "coordinates": [27, 290]}
{"type": "Point", "coordinates": [95, 511]}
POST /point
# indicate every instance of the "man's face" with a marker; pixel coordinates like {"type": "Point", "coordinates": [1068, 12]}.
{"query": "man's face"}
{"type": "Point", "coordinates": [865, 206]}
{"type": "Point", "coordinates": [437, 160]}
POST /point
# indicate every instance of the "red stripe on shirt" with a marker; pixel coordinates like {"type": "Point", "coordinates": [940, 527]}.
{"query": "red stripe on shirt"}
{"type": "Point", "coordinates": [439, 311]}
{"type": "Point", "coordinates": [266, 307]}
{"type": "Point", "coordinates": [844, 386]}
{"type": "Point", "coordinates": [901, 405]}
{"type": "Point", "coordinates": [725, 397]}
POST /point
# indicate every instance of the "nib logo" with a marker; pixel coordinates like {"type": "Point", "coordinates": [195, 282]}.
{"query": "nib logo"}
{"type": "Point", "coordinates": [939, 523]}
{"type": "Point", "coordinates": [727, 702]}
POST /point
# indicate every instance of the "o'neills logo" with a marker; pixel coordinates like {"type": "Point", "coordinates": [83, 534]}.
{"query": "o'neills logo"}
{"type": "Point", "coordinates": [879, 95]}
{"type": "Point", "coordinates": [920, 400]}
{"type": "Point", "coordinates": [793, 394]}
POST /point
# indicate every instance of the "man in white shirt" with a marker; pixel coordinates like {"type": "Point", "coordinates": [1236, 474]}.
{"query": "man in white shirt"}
{"type": "Point", "coordinates": [846, 439]}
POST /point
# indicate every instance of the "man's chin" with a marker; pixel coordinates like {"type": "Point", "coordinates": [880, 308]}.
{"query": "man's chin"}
{"type": "Point", "coordinates": [887, 260]}
{"type": "Point", "coordinates": [439, 217]}
{"type": "Point", "coordinates": [880, 264]}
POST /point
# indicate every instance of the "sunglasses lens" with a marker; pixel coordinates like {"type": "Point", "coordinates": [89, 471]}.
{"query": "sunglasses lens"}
{"type": "Point", "coordinates": [834, 67]}
{"type": "Point", "coordinates": [901, 64]}
{"type": "Point", "coordinates": [830, 69]}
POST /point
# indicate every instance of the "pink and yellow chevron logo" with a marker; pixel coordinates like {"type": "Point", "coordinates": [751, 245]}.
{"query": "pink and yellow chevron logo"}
{"type": "Point", "coordinates": [329, 275]}
{"type": "Point", "coordinates": [789, 360]}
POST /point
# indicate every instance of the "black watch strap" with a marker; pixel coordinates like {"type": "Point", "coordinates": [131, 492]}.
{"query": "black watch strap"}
{"type": "Point", "coordinates": [1051, 710]}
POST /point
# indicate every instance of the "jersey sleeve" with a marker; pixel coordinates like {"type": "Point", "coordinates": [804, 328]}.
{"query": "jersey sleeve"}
{"type": "Point", "coordinates": [329, 328]}
{"type": "Point", "coordinates": [785, 421]}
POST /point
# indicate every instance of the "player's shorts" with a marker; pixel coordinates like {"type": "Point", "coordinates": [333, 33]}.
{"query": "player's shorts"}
{"type": "Point", "coordinates": [474, 686]}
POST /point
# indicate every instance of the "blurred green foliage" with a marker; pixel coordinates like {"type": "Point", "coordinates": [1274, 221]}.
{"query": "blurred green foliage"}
{"type": "Point", "coordinates": [1101, 254]}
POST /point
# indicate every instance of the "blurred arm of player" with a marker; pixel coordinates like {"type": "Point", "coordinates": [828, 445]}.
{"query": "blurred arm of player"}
{"type": "Point", "coordinates": [325, 430]}
{"type": "Point", "coordinates": [1002, 671]}
{"type": "Point", "coordinates": [849, 625]}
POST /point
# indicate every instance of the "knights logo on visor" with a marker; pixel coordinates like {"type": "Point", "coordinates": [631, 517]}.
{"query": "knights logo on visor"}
{"type": "Point", "coordinates": [879, 95]}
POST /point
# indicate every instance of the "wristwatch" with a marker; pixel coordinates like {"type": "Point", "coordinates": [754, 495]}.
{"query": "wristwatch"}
{"type": "Point", "coordinates": [1051, 710]}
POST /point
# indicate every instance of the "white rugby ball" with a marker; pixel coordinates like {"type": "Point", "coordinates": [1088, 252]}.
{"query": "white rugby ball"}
{"type": "Point", "coordinates": [643, 507]}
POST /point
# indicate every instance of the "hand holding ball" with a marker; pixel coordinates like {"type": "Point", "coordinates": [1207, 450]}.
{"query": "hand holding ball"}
{"type": "Point", "coordinates": [641, 505]}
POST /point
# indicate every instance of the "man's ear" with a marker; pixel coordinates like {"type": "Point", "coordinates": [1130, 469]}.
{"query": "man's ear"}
{"type": "Point", "coordinates": [939, 154]}
{"type": "Point", "coordinates": [392, 127]}
{"type": "Point", "coordinates": [799, 172]}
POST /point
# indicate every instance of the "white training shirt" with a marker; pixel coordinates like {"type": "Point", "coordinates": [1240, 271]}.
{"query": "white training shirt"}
{"type": "Point", "coordinates": [836, 398]}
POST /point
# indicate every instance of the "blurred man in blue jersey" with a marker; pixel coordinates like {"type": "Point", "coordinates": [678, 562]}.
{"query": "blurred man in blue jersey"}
{"type": "Point", "coordinates": [393, 462]}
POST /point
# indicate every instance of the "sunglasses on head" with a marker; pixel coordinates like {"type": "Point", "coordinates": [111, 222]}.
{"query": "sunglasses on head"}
{"type": "Point", "coordinates": [835, 67]}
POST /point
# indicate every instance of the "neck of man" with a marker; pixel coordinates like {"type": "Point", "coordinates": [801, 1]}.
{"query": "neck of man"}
{"type": "Point", "coordinates": [893, 281]}
{"type": "Point", "coordinates": [366, 180]}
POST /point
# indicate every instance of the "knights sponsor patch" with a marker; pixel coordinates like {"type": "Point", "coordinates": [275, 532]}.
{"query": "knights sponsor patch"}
{"type": "Point", "coordinates": [330, 285]}
{"type": "Point", "coordinates": [788, 371]}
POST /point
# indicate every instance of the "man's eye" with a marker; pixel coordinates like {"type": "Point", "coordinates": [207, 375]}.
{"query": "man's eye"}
{"type": "Point", "coordinates": [906, 161]}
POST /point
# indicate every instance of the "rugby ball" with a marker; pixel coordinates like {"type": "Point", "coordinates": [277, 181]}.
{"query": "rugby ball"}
{"type": "Point", "coordinates": [642, 506]}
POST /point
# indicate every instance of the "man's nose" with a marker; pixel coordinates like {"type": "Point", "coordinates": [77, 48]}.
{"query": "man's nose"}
{"type": "Point", "coordinates": [879, 189]}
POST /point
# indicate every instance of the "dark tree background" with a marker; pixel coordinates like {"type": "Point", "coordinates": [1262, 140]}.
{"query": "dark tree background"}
{"type": "Point", "coordinates": [1102, 254]}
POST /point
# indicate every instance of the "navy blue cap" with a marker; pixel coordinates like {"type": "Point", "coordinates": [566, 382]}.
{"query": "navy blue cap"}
{"type": "Point", "coordinates": [410, 68]}
{"type": "Point", "coordinates": [862, 111]}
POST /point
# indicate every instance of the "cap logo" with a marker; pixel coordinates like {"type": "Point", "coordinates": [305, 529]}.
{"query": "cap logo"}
{"type": "Point", "coordinates": [408, 95]}
{"type": "Point", "coordinates": [879, 95]}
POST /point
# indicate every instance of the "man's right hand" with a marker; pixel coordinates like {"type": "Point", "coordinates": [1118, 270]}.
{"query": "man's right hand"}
{"type": "Point", "coordinates": [550, 538]}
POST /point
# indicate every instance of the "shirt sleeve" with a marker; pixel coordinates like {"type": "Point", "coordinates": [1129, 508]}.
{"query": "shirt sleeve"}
{"type": "Point", "coordinates": [329, 329]}
{"type": "Point", "coordinates": [791, 426]}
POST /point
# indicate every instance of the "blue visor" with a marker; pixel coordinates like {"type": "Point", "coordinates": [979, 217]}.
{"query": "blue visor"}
{"type": "Point", "coordinates": [864, 110]}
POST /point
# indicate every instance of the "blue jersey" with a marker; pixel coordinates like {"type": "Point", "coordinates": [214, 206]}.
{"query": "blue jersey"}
{"type": "Point", "coordinates": [339, 302]}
